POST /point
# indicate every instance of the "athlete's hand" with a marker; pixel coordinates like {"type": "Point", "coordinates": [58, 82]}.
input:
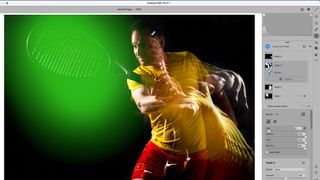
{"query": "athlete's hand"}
{"type": "Point", "coordinates": [145, 101]}
{"type": "Point", "coordinates": [149, 104]}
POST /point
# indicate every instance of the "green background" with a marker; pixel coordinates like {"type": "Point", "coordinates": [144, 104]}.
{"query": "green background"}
{"type": "Point", "coordinates": [76, 119]}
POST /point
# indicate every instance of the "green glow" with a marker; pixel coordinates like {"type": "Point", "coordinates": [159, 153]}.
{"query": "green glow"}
{"type": "Point", "coordinates": [67, 51]}
{"type": "Point", "coordinates": [69, 107]}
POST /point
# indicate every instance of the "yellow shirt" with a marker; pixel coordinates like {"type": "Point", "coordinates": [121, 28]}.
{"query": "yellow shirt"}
{"type": "Point", "coordinates": [183, 130]}
{"type": "Point", "coordinates": [176, 128]}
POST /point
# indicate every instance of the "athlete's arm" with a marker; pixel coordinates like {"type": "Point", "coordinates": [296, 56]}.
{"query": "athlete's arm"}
{"type": "Point", "coordinates": [145, 102]}
{"type": "Point", "coordinates": [149, 103]}
{"type": "Point", "coordinates": [228, 91]}
{"type": "Point", "coordinates": [231, 83]}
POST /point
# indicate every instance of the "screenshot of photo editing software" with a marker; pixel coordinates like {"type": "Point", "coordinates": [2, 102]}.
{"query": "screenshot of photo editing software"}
{"type": "Point", "coordinates": [172, 90]}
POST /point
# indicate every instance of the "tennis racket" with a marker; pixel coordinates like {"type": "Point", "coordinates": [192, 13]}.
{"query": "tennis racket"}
{"type": "Point", "coordinates": [67, 51]}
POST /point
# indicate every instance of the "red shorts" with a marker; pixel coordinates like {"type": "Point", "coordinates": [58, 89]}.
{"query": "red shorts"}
{"type": "Point", "coordinates": [156, 163]}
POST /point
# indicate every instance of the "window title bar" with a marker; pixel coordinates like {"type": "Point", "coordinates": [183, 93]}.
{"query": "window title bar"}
{"type": "Point", "coordinates": [160, 3]}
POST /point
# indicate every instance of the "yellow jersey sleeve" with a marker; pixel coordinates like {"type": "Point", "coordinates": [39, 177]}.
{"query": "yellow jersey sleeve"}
{"type": "Point", "coordinates": [133, 85]}
{"type": "Point", "coordinates": [147, 73]}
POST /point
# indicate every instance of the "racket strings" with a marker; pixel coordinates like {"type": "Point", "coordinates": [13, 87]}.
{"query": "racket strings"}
{"type": "Point", "coordinates": [70, 53]}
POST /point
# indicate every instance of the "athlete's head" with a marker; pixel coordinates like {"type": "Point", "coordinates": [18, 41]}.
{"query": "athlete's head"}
{"type": "Point", "coordinates": [148, 42]}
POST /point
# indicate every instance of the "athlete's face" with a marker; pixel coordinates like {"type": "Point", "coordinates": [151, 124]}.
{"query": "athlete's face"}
{"type": "Point", "coordinates": [147, 49]}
